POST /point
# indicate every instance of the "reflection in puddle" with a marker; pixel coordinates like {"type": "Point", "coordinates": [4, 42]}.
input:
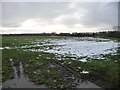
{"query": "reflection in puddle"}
{"type": "Point", "coordinates": [20, 81]}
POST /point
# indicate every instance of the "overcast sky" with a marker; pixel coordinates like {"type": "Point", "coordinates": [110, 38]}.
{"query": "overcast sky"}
{"type": "Point", "coordinates": [38, 17]}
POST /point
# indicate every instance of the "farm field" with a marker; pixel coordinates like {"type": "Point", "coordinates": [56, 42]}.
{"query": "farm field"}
{"type": "Point", "coordinates": [60, 62]}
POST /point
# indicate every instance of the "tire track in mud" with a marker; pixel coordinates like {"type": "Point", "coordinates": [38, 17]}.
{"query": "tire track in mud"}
{"type": "Point", "coordinates": [77, 80]}
{"type": "Point", "coordinates": [20, 81]}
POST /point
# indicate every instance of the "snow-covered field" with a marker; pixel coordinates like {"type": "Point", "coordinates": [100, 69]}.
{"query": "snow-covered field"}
{"type": "Point", "coordinates": [77, 46]}
{"type": "Point", "coordinates": [81, 46]}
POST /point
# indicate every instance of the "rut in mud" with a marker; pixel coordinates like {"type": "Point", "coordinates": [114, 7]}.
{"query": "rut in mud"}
{"type": "Point", "coordinates": [20, 81]}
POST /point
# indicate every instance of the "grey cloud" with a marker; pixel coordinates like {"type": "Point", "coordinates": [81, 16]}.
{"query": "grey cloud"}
{"type": "Point", "coordinates": [14, 13]}
{"type": "Point", "coordinates": [95, 14]}
{"type": "Point", "coordinates": [102, 14]}
{"type": "Point", "coordinates": [0, 13]}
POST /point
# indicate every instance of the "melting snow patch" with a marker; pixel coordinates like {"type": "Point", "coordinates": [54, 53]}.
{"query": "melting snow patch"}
{"type": "Point", "coordinates": [83, 60]}
{"type": "Point", "coordinates": [37, 57]}
{"type": "Point", "coordinates": [48, 57]}
{"type": "Point", "coordinates": [79, 67]}
{"type": "Point", "coordinates": [69, 62]}
{"type": "Point", "coordinates": [7, 48]}
{"type": "Point", "coordinates": [11, 60]}
{"type": "Point", "coordinates": [48, 71]}
{"type": "Point", "coordinates": [84, 48]}
{"type": "Point", "coordinates": [1, 48]}
{"type": "Point", "coordinates": [90, 47]}
{"type": "Point", "coordinates": [101, 58]}
{"type": "Point", "coordinates": [40, 55]}
{"type": "Point", "coordinates": [84, 72]}
{"type": "Point", "coordinates": [34, 72]}
{"type": "Point", "coordinates": [26, 65]}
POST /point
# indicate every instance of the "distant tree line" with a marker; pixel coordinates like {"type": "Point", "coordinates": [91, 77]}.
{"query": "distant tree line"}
{"type": "Point", "coordinates": [113, 34]}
